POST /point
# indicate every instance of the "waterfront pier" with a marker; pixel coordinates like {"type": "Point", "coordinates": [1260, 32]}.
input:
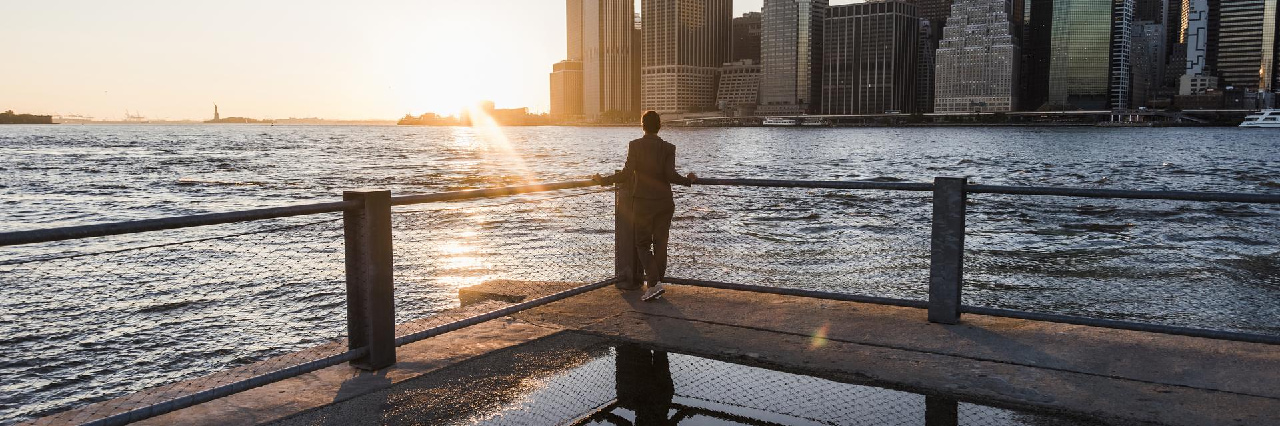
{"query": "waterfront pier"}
{"type": "Point", "coordinates": [945, 349]}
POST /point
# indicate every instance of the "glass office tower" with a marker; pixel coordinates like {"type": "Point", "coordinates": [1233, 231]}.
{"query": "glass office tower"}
{"type": "Point", "coordinates": [790, 56]}
{"type": "Point", "coordinates": [1079, 64]}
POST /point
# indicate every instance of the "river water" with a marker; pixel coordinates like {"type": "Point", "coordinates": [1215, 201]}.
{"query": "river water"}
{"type": "Point", "coordinates": [85, 328]}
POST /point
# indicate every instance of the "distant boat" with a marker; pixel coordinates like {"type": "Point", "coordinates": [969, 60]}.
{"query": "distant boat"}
{"type": "Point", "coordinates": [1267, 118]}
{"type": "Point", "coordinates": [780, 121]}
{"type": "Point", "coordinates": [813, 121]}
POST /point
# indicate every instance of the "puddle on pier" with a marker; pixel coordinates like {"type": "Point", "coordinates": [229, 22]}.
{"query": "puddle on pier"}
{"type": "Point", "coordinates": [573, 379]}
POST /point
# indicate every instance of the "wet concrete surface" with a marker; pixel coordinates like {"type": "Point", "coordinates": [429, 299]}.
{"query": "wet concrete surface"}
{"type": "Point", "coordinates": [1112, 376]}
{"type": "Point", "coordinates": [573, 378]}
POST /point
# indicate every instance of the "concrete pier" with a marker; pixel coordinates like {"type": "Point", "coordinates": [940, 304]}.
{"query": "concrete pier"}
{"type": "Point", "coordinates": [1117, 376]}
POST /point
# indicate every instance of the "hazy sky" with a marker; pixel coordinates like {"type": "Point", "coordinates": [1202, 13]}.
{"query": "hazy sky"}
{"type": "Point", "coordinates": [277, 59]}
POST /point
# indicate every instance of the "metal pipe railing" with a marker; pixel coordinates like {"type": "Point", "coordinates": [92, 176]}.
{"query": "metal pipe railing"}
{"type": "Point", "coordinates": [830, 184]}
{"type": "Point", "coordinates": [488, 316]}
{"type": "Point", "coordinates": [490, 192]}
{"type": "Point", "coordinates": [1127, 194]}
{"type": "Point", "coordinates": [149, 225]}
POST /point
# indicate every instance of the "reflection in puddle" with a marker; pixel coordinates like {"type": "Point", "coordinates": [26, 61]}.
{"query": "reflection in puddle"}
{"type": "Point", "coordinates": [632, 385]}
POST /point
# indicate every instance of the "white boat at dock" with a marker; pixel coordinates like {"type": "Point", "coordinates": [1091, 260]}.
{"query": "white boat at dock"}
{"type": "Point", "coordinates": [780, 121]}
{"type": "Point", "coordinates": [1267, 118]}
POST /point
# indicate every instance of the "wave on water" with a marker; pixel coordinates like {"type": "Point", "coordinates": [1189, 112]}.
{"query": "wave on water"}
{"type": "Point", "coordinates": [187, 181]}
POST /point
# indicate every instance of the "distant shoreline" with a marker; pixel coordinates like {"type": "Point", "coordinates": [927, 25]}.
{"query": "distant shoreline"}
{"type": "Point", "coordinates": [393, 124]}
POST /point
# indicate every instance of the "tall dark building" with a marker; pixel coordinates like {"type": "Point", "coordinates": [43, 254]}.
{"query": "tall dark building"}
{"type": "Point", "coordinates": [685, 44]}
{"type": "Point", "coordinates": [791, 56]}
{"type": "Point", "coordinates": [1148, 58]}
{"type": "Point", "coordinates": [936, 11]}
{"type": "Point", "coordinates": [926, 61]}
{"type": "Point", "coordinates": [746, 37]}
{"type": "Point", "coordinates": [1245, 56]}
{"type": "Point", "coordinates": [869, 58]}
{"type": "Point", "coordinates": [1175, 27]}
{"type": "Point", "coordinates": [1080, 56]}
{"type": "Point", "coordinates": [1038, 47]}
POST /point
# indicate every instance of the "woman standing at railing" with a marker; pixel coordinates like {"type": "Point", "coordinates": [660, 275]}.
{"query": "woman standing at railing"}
{"type": "Point", "coordinates": [651, 170]}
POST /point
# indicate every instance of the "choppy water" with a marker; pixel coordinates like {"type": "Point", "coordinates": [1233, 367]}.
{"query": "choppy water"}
{"type": "Point", "coordinates": [88, 328]}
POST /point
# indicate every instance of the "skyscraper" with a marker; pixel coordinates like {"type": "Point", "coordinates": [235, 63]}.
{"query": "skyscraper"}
{"type": "Point", "coordinates": [1195, 77]}
{"type": "Point", "coordinates": [566, 89]}
{"type": "Point", "coordinates": [1148, 57]}
{"type": "Point", "coordinates": [1270, 48]}
{"type": "Point", "coordinates": [926, 57]}
{"type": "Point", "coordinates": [933, 14]}
{"type": "Point", "coordinates": [1246, 45]}
{"type": "Point", "coordinates": [1079, 64]}
{"type": "Point", "coordinates": [869, 58]}
{"type": "Point", "coordinates": [746, 37]}
{"type": "Point", "coordinates": [1175, 40]}
{"type": "Point", "coordinates": [739, 88]}
{"type": "Point", "coordinates": [685, 43]}
{"type": "Point", "coordinates": [1122, 12]}
{"type": "Point", "coordinates": [1038, 47]}
{"type": "Point", "coordinates": [977, 60]}
{"type": "Point", "coordinates": [608, 65]}
{"type": "Point", "coordinates": [790, 56]}
{"type": "Point", "coordinates": [573, 27]}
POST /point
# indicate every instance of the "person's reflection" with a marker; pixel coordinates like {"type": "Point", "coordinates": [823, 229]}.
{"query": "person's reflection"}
{"type": "Point", "coordinates": [644, 384]}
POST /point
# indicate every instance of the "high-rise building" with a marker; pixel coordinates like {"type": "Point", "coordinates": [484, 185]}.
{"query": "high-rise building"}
{"type": "Point", "coordinates": [1148, 57]}
{"type": "Point", "coordinates": [608, 64]}
{"type": "Point", "coordinates": [977, 60]}
{"type": "Point", "coordinates": [1122, 12]}
{"type": "Point", "coordinates": [1038, 46]}
{"type": "Point", "coordinates": [790, 56]}
{"type": "Point", "coordinates": [925, 63]}
{"type": "Point", "coordinates": [1270, 66]}
{"type": "Point", "coordinates": [566, 89]}
{"type": "Point", "coordinates": [746, 37]}
{"type": "Point", "coordinates": [1246, 45]}
{"type": "Point", "coordinates": [869, 58]}
{"type": "Point", "coordinates": [978, 57]}
{"type": "Point", "coordinates": [685, 43]}
{"type": "Point", "coordinates": [739, 88]}
{"type": "Point", "coordinates": [936, 11]}
{"type": "Point", "coordinates": [933, 14]}
{"type": "Point", "coordinates": [1175, 24]}
{"type": "Point", "coordinates": [1196, 78]}
{"type": "Point", "coordinates": [1079, 64]}
{"type": "Point", "coordinates": [573, 30]}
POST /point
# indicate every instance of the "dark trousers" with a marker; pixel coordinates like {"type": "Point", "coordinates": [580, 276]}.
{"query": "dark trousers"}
{"type": "Point", "coordinates": [652, 230]}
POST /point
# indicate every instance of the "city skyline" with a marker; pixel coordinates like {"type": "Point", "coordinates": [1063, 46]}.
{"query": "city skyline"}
{"type": "Point", "coordinates": [397, 58]}
{"type": "Point", "coordinates": [173, 60]}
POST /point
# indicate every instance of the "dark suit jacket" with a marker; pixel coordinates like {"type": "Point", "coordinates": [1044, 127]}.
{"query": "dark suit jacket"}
{"type": "Point", "coordinates": [651, 161]}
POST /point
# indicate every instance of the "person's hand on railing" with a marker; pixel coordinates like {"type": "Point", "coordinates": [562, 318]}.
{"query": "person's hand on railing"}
{"type": "Point", "coordinates": [693, 177]}
{"type": "Point", "coordinates": [597, 179]}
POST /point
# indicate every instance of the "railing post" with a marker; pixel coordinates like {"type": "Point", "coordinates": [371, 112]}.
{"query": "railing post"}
{"type": "Point", "coordinates": [371, 317]}
{"type": "Point", "coordinates": [946, 251]}
{"type": "Point", "coordinates": [939, 411]}
{"type": "Point", "coordinates": [625, 261]}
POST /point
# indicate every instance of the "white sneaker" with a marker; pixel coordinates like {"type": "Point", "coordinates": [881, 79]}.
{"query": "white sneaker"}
{"type": "Point", "coordinates": [653, 293]}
